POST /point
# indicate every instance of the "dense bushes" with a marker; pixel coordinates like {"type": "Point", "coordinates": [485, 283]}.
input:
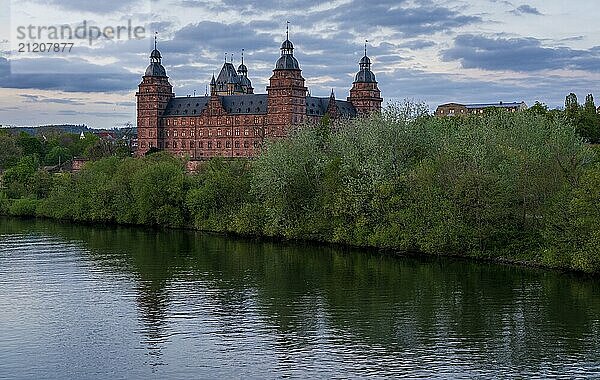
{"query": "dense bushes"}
{"type": "Point", "coordinates": [519, 186]}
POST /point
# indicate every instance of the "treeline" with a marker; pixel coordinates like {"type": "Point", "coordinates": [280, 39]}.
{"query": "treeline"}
{"type": "Point", "coordinates": [515, 186]}
{"type": "Point", "coordinates": [584, 117]}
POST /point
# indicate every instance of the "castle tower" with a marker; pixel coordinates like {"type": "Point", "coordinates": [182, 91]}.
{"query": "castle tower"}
{"type": "Point", "coordinates": [332, 108]}
{"type": "Point", "coordinates": [286, 93]}
{"type": "Point", "coordinates": [365, 95]}
{"type": "Point", "coordinates": [153, 95]}
{"type": "Point", "coordinates": [243, 77]}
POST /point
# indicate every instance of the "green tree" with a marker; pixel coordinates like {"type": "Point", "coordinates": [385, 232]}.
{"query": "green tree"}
{"type": "Point", "coordinates": [10, 152]}
{"type": "Point", "coordinates": [571, 105]}
{"type": "Point", "coordinates": [590, 106]}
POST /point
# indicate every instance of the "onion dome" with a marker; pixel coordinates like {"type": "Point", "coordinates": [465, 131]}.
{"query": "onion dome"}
{"type": "Point", "coordinates": [287, 45]}
{"type": "Point", "coordinates": [155, 54]}
{"type": "Point", "coordinates": [242, 69]}
{"type": "Point", "coordinates": [155, 69]}
{"type": "Point", "coordinates": [365, 61]}
{"type": "Point", "coordinates": [287, 61]}
{"type": "Point", "coordinates": [365, 75]}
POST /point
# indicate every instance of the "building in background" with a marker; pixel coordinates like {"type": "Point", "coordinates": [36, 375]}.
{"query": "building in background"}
{"type": "Point", "coordinates": [456, 109]}
{"type": "Point", "coordinates": [233, 121]}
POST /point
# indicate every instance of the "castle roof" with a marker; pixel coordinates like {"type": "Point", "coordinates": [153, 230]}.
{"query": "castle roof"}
{"type": "Point", "coordinates": [155, 69]}
{"type": "Point", "coordinates": [498, 105]}
{"type": "Point", "coordinates": [253, 104]}
{"type": "Point", "coordinates": [229, 76]}
{"type": "Point", "coordinates": [318, 106]}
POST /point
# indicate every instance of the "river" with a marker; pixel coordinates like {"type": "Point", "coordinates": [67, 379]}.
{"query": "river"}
{"type": "Point", "coordinates": [87, 302]}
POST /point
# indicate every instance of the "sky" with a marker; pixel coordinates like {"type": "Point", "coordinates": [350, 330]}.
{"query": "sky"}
{"type": "Point", "coordinates": [432, 51]}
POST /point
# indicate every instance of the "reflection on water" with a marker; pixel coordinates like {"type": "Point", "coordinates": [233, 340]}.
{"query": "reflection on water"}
{"type": "Point", "coordinates": [94, 302]}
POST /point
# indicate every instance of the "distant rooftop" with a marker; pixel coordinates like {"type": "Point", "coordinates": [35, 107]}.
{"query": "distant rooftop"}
{"type": "Point", "coordinates": [499, 105]}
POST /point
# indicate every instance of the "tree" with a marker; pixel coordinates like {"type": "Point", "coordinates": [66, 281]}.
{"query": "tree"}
{"type": "Point", "coordinates": [9, 151]}
{"type": "Point", "coordinates": [571, 105]}
{"type": "Point", "coordinates": [590, 106]}
{"type": "Point", "coordinates": [539, 108]}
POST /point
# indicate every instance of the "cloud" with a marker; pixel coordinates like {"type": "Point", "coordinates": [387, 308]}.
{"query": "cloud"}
{"type": "Point", "coordinates": [405, 19]}
{"type": "Point", "coordinates": [99, 7]}
{"type": "Point", "coordinates": [526, 9]}
{"type": "Point", "coordinates": [82, 77]}
{"type": "Point", "coordinates": [518, 54]}
{"type": "Point", "coordinates": [42, 99]}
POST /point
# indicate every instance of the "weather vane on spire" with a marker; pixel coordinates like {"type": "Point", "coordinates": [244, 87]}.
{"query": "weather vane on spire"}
{"type": "Point", "coordinates": [155, 39]}
{"type": "Point", "coordinates": [242, 56]}
{"type": "Point", "coordinates": [287, 30]}
{"type": "Point", "coordinates": [366, 41]}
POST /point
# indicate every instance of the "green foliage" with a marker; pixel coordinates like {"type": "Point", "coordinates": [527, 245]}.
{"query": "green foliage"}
{"type": "Point", "coordinates": [10, 151]}
{"type": "Point", "coordinates": [217, 194]}
{"type": "Point", "coordinates": [521, 186]}
{"type": "Point", "coordinates": [24, 207]}
{"type": "Point", "coordinates": [584, 118]}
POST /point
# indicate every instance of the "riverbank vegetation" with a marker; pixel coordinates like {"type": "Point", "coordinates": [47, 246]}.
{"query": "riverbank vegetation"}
{"type": "Point", "coordinates": [522, 187]}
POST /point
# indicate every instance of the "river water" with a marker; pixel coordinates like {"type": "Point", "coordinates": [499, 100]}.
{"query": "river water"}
{"type": "Point", "coordinates": [111, 302]}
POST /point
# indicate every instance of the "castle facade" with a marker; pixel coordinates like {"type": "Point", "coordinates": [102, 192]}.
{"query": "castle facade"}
{"type": "Point", "coordinates": [233, 121]}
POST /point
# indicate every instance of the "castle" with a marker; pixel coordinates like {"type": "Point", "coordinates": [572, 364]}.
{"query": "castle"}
{"type": "Point", "coordinates": [233, 121]}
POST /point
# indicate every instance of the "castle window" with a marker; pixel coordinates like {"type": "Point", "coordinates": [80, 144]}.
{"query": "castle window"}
{"type": "Point", "coordinates": [237, 132]}
{"type": "Point", "coordinates": [219, 133]}
{"type": "Point", "coordinates": [218, 144]}
{"type": "Point", "coordinates": [255, 131]}
{"type": "Point", "coordinates": [210, 132]}
{"type": "Point", "coordinates": [200, 144]}
{"type": "Point", "coordinates": [256, 144]}
{"type": "Point", "coordinates": [246, 132]}
{"type": "Point", "coordinates": [209, 144]}
{"type": "Point", "coordinates": [175, 133]}
{"type": "Point", "coordinates": [237, 144]}
{"type": "Point", "coordinates": [143, 144]}
{"type": "Point", "coordinates": [191, 144]}
{"type": "Point", "coordinates": [174, 144]}
{"type": "Point", "coordinates": [246, 144]}
{"type": "Point", "coordinates": [182, 133]}
{"type": "Point", "coordinates": [228, 132]}
{"type": "Point", "coordinates": [227, 144]}
{"type": "Point", "coordinates": [248, 109]}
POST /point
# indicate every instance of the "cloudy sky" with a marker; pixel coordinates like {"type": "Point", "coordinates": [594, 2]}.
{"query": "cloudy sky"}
{"type": "Point", "coordinates": [434, 51]}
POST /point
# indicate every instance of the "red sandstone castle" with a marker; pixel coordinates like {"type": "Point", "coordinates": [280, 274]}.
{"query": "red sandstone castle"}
{"type": "Point", "coordinates": [233, 121]}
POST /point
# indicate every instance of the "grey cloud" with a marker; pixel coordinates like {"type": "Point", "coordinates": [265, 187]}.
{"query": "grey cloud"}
{"type": "Point", "coordinates": [100, 7]}
{"type": "Point", "coordinates": [518, 54]}
{"type": "Point", "coordinates": [43, 99]}
{"type": "Point", "coordinates": [417, 44]}
{"type": "Point", "coordinates": [526, 9]}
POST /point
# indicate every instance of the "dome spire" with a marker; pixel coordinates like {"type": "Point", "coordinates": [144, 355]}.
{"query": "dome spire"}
{"type": "Point", "coordinates": [287, 30]}
{"type": "Point", "coordinates": [155, 68]}
{"type": "Point", "coordinates": [242, 69]}
{"type": "Point", "coordinates": [366, 41]}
